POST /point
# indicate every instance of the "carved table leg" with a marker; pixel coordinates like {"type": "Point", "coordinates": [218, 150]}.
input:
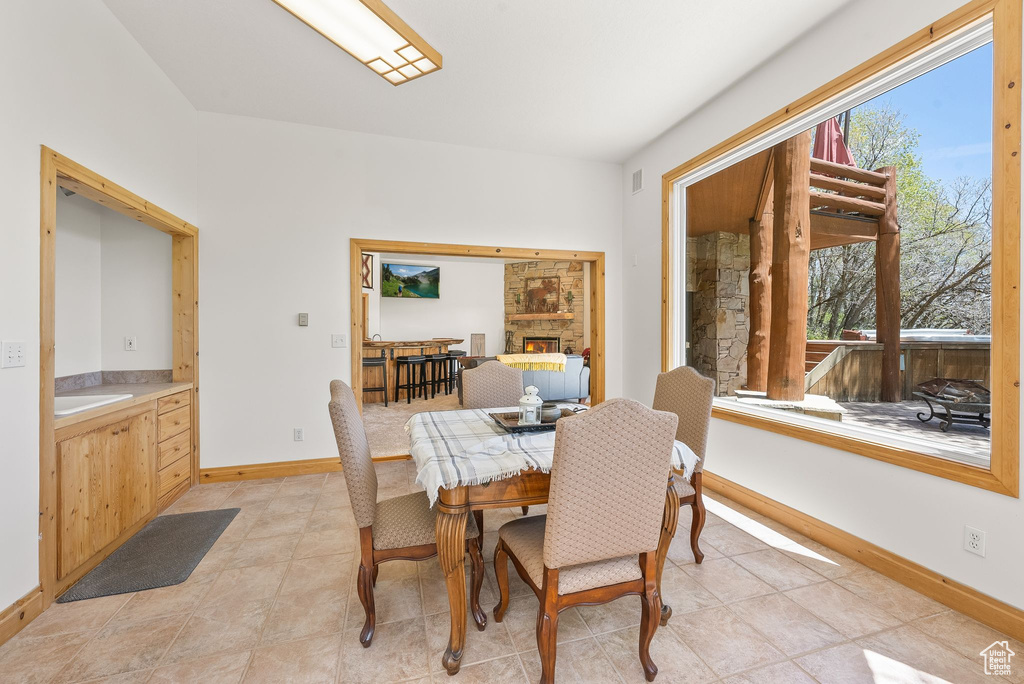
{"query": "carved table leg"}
{"type": "Point", "coordinates": [451, 553]}
{"type": "Point", "coordinates": [668, 530]}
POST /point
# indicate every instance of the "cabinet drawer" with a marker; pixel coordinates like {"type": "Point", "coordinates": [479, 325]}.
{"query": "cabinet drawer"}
{"type": "Point", "coordinates": [172, 423]}
{"type": "Point", "coordinates": [174, 401]}
{"type": "Point", "coordinates": [174, 448]}
{"type": "Point", "coordinates": [170, 477]}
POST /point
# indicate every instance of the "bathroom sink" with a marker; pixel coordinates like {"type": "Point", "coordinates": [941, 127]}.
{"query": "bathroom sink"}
{"type": "Point", "coordinates": [65, 406]}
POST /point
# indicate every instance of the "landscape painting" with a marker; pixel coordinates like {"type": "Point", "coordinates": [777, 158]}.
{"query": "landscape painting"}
{"type": "Point", "coordinates": [408, 280]}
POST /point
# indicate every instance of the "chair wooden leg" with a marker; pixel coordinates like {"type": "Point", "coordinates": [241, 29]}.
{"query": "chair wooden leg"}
{"type": "Point", "coordinates": [670, 519]}
{"type": "Point", "coordinates": [364, 584]}
{"type": "Point", "coordinates": [501, 575]}
{"type": "Point", "coordinates": [526, 509]}
{"type": "Point", "coordinates": [650, 614]}
{"type": "Point", "coordinates": [376, 571]}
{"type": "Point", "coordinates": [547, 626]}
{"type": "Point", "coordinates": [365, 590]}
{"type": "Point", "coordinates": [478, 516]}
{"type": "Point", "coordinates": [477, 580]}
{"type": "Point", "coordinates": [650, 604]}
{"type": "Point", "coordinates": [699, 515]}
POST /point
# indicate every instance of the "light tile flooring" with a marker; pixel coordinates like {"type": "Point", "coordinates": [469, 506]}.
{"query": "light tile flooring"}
{"type": "Point", "coordinates": [274, 601]}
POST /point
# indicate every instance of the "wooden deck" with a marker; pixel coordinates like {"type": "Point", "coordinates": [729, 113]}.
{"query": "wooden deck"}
{"type": "Point", "coordinates": [902, 418]}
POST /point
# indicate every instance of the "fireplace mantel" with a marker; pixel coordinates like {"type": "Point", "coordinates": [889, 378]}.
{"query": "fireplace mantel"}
{"type": "Point", "coordinates": [561, 316]}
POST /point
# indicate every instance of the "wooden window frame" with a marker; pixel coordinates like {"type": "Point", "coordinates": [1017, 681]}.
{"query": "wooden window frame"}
{"type": "Point", "coordinates": [56, 171]}
{"type": "Point", "coordinates": [597, 297]}
{"type": "Point", "coordinates": [1003, 474]}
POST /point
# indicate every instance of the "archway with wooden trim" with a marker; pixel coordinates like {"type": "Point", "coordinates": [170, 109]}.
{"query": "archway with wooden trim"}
{"type": "Point", "coordinates": [597, 294]}
{"type": "Point", "coordinates": [58, 171]}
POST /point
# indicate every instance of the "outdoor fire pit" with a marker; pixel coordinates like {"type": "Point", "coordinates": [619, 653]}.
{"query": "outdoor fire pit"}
{"type": "Point", "coordinates": [962, 401]}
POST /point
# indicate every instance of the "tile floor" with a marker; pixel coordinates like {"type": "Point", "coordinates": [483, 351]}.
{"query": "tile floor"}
{"type": "Point", "coordinates": [274, 601]}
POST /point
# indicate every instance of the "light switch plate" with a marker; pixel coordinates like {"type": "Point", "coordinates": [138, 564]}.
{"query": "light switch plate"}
{"type": "Point", "coordinates": [12, 354]}
{"type": "Point", "coordinates": [303, 319]}
{"type": "Point", "coordinates": [131, 343]}
{"type": "Point", "coordinates": [338, 341]}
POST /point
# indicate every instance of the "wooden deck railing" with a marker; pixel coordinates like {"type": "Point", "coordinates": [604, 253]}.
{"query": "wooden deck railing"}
{"type": "Point", "coordinates": [870, 194]}
{"type": "Point", "coordinates": [863, 193]}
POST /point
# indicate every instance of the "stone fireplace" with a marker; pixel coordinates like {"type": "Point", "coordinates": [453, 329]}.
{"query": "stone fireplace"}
{"type": "Point", "coordinates": [545, 302]}
{"type": "Point", "coordinates": [541, 345]}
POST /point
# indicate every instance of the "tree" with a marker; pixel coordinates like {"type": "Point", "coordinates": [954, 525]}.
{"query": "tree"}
{"type": "Point", "coordinates": [946, 243]}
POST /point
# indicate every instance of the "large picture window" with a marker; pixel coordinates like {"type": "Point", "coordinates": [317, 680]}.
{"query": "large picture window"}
{"type": "Point", "coordinates": [842, 271]}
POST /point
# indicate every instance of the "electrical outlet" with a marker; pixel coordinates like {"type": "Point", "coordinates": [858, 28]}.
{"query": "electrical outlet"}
{"type": "Point", "coordinates": [974, 540]}
{"type": "Point", "coordinates": [131, 343]}
{"type": "Point", "coordinates": [303, 319]}
{"type": "Point", "coordinates": [338, 341]}
{"type": "Point", "coordinates": [12, 355]}
{"type": "Point", "coordinates": [298, 434]}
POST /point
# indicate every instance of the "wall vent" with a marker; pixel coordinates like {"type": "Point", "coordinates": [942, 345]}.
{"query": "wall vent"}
{"type": "Point", "coordinates": [638, 181]}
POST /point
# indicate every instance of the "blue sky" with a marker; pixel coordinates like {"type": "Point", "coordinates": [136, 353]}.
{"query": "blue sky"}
{"type": "Point", "coordinates": [951, 107]}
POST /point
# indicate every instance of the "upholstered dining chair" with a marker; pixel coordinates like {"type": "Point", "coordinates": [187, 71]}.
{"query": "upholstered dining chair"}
{"type": "Point", "coordinates": [492, 385]}
{"type": "Point", "coordinates": [688, 394]}
{"type": "Point", "coordinates": [400, 528]}
{"type": "Point", "coordinates": [599, 539]}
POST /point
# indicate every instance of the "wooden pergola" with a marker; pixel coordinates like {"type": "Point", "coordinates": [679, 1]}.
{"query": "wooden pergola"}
{"type": "Point", "coordinates": [791, 204]}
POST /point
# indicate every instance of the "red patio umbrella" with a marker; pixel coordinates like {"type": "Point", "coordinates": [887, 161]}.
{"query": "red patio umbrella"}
{"type": "Point", "coordinates": [829, 144]}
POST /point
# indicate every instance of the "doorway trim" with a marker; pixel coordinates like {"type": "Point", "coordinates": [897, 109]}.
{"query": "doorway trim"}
{"type": "Point", "coordinates": [597, 323]}
{"type": "Point", "coordinates": [57, 170]}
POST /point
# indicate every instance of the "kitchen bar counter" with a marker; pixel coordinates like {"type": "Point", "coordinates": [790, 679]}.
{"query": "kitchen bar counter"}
{"type": "Point", "coordinates": [409, 344]}
{"type": "Point", "coordinates": [141, 393]}
{"type": "Point", "coordinates": [392, 349]}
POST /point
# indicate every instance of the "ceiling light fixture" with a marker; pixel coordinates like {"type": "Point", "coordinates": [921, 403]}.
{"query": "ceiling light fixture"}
{"type": "Point", "coordinates": [369, 31]}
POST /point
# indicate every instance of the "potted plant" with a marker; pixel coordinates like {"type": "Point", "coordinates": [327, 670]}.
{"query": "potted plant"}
{"type": "Point", "coordinates": [569, 296]}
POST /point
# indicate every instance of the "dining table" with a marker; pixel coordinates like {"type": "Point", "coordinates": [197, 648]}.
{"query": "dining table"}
{"type": "Point", "coordinates": [467, 463]}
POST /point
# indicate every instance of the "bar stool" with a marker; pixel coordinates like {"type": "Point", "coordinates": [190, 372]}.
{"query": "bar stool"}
{"type": "Point", "coordinates": [411, 363]}
{"type": "Point", "coordinates": [382, 363]}
{"type": "Point", "coordinates": [438, 373]}
{"type": "Point", "coordinates": [453, 366]}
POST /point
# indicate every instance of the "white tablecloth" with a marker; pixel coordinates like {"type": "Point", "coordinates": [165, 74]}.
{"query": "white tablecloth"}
{"type": "Point", "coordinates": [453, 448]}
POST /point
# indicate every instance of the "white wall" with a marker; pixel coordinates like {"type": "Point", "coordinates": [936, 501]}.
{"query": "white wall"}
{"type": "Point", "coordinates": [275, 242]}
{"type": "Point", "coordinates": [472, 301]}
{"type": "Point", "coordinates": [113, 278]}
{"type": "Point", "coordinates": [68, 64]}
{"type": "Point", "coordinates": [78, 332]}
{"type": "Point", "coordinates": [136, 291]}
{"type": "Point", "coordinates": [918, 516]}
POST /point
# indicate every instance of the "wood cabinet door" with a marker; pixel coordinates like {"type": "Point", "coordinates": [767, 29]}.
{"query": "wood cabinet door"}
{"type": "Point", "coordinates": [106, 483]}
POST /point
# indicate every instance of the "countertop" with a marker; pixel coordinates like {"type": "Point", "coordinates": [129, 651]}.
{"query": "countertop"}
{"type": "Point", "coordinates": [389, 344]}
{"type": "Point", "coordinates": [141, 393]}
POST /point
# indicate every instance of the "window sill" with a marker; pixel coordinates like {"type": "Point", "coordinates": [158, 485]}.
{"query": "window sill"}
{"type": "Point", "coordinates": [909, 453]}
